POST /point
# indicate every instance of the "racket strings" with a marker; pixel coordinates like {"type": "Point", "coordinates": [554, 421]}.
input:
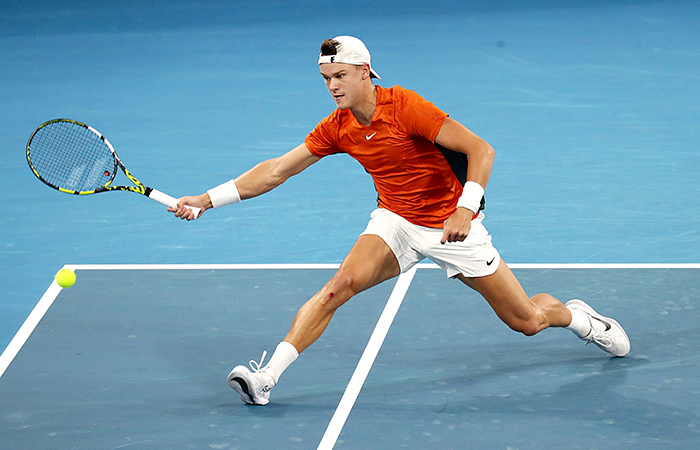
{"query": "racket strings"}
{"type": "Point", "coordinates": [69, 156]}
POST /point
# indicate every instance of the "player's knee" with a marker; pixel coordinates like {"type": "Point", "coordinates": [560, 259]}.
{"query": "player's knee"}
{"type": "Point", "coordinates": [339, 290]}
{"type": "Point", "coordinates": [528, 327]}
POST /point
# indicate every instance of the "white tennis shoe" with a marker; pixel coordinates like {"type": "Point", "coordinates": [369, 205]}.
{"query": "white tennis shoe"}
{"type": "Point", "coordinates": [253, 387]}
{"type": "Point", "coordinates": [606, 333]}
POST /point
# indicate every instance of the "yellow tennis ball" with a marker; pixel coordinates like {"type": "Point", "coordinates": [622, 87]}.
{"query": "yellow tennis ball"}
{"type": "Point", "coordinates": [65, 278]}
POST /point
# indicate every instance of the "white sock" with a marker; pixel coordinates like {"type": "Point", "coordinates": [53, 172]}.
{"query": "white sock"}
{"type": "Point", "coordinates": [580, 323]}
{"type": "Point", "coordinates": [285, 354]}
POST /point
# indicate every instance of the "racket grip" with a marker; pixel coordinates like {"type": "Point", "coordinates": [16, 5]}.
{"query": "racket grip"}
{"type": "Point", "coordinates": [167, 200]}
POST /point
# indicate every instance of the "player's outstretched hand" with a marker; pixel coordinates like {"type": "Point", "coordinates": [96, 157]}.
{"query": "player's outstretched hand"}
{"type": "Point", "coordinates": [457, 226]}
{"type": "Point", "coordinates": [184, 204]}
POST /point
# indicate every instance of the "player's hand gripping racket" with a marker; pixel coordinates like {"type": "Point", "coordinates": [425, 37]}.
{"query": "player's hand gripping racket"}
{"type": "Point", "coordinates": [75, 158]}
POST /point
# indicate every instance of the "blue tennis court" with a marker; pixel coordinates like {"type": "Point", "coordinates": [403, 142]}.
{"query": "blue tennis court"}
{"type": "Point", "coordinates": [144, 366]}
{"type": "Point", "coordinates": [591, 107]}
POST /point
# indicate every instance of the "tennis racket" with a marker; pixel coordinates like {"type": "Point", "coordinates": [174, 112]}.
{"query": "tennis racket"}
{"type": "Point", "coordinates": [77, 159]}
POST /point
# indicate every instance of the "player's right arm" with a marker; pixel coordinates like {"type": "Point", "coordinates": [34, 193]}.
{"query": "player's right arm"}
{"type": "Point", "coordinates": [269, 174]}
{"type": "Point", "coordinates": [262, 178]}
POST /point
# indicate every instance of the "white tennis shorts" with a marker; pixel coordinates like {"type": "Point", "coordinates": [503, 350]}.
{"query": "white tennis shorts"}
{"type": "Point", "coordinates": [475, 257]}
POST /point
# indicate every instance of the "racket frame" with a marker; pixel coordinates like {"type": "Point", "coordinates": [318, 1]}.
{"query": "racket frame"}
{"type": "Point", "coordinates": [138, 187]}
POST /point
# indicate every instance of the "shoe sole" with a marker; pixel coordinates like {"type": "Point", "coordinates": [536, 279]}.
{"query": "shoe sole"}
{"type": "Point", "coordinates": [240, 385]}
{"type": "Point", "coordinates": [579, 304]}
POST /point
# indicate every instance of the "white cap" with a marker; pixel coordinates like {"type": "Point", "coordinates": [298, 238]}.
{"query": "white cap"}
{"type": "Point", "coordinates": [350, 51]}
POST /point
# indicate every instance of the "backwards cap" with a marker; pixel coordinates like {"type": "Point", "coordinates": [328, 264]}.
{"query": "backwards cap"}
{"type": "Point", "coordinates": [350, 51]}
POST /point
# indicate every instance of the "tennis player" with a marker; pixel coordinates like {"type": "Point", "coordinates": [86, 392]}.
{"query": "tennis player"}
{"type": "Point", "coordinates": [430, 204]}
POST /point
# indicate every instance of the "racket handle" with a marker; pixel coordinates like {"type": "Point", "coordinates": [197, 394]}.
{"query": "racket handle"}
{"type": "Point", "coordinates": [167, 200]}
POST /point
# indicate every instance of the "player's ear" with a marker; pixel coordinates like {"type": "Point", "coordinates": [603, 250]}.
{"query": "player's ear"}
{"type": "Point", "coordinates": [366, 73]}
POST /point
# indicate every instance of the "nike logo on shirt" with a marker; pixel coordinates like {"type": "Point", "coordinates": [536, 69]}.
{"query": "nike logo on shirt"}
{"type": "Point", "coordinates": [370, 136]}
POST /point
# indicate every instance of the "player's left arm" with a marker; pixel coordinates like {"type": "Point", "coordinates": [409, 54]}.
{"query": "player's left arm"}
{"type": "Point", "coordinates": [456, 137]}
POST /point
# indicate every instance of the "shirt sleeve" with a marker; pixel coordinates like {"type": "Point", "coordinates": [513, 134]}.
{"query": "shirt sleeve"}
{"type": "Point", "coordinates": [420, 117]}
{"type": "Point", "coordinates": [323, 139]}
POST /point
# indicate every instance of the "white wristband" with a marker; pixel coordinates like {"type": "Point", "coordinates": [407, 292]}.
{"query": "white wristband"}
{"type": "Point", "coordinates": [471, 196]}
{"type": "Point", "coordinates": [224, 194]}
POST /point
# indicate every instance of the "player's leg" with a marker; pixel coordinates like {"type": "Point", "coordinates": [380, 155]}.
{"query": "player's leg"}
{"type": "Point", "coordinates": [368, 263]}
{"type": "Point", "coordinates": [529, 316]}
{"type": "Point", "coordinates": [503, 292]}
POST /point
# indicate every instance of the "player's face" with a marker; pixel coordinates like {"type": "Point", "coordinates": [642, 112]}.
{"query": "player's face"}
{"type": "Point", "coordinates": [344, 83]}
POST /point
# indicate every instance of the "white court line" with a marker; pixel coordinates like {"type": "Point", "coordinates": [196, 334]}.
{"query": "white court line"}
{"type": "Point", "coordinates": [28, 326]}
{"type": "Point", "coordinates": [336, 265]}
{"type": "Point", "coordinates": [546, 266]}
{"type": "Point", "coordinates": [200, 266]}
{"type": "Point", "coordinates": [330, 437]}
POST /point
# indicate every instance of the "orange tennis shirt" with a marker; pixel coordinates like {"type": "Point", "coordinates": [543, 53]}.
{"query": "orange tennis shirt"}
{"type": "Point", "coordinates": [411, 175]}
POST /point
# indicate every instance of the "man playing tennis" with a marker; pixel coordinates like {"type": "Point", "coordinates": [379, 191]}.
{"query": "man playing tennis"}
{"type": "Point", "coordinates": [416, 155]}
